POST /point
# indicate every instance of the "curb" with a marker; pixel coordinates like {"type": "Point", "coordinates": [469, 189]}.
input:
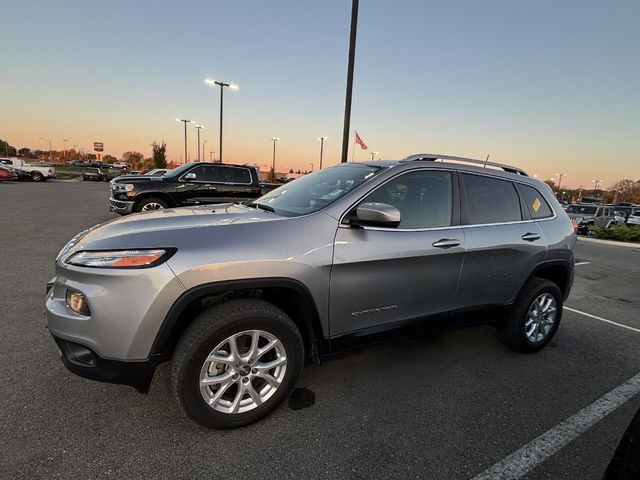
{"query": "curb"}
{"type": "Point", "coordinates": [609, 242]}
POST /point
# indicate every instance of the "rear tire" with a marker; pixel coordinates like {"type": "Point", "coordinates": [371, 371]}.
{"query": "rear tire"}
{"type": "Point", "coordinates": [37, 177]}
{"type": "Point", "coordinates": [208, 336]}
{"type": "Point", "coordinates": [528, 329]}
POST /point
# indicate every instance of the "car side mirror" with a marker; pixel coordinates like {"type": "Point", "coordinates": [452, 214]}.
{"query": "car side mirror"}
{"type": "Point", "coordinates": [190, 176]}
{"type": "Point", "coordinates": [376, 215]}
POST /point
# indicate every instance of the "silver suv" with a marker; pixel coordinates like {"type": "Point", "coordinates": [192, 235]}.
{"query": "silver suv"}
{"type": "Point", "coordinates": [239, 296]}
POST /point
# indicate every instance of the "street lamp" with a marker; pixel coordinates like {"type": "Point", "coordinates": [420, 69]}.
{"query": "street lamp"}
{"type": "Point", "coordinates": [203, 145]}
{"type": "Point", "coordinates": [199, 127]}
{"type": "Point", "coordinates": [42, 138]}
{"type": "Point", "coordinates": [560, 175]}
{"type": "Point", "coordinates": [350, 67]}
{"type": "Point", "coordinates": [311, 166]}
{"type": "Point", "coordinates": [373, 154]}
{"type": "Point", "coordinates": [596, 185]}
{"type": "Point", "coordinates": [273, 163]}
{"type": "Point", "coordinates": [212, 82]}
{"type": "Point", "coordinates": [64, 148]}
{"type": "Point", "coordinates": [322, 139]}
{"type": "Point", "coordinates": [185, 135]}
{"type": "Point", "coordinates": [211, 156]}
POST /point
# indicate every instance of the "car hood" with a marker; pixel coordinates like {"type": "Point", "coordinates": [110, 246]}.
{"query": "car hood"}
{"type": "Point", "coordinates": [114, 233]}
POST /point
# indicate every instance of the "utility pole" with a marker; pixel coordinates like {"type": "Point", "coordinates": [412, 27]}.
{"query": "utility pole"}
{"type": "Point", "coordinates": [322, 139]}
{"type": "Point", "coordinates": [348, 96]}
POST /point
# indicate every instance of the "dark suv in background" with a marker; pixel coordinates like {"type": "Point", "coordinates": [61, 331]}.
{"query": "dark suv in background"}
{"type": "Point", "coordinates": [190, 184]}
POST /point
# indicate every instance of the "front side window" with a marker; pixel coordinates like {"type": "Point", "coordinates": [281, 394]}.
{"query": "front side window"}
{"type": "Point", "coordinates": [315, 191]}
{"type": "Point", "coordinates": [205, 173]}
{"type": "Point", "coordinates": [424, 198]}
{"type": "Point", "coordinates": [490, 200]}
{"type": "Point", "coordinates": [535, 201]}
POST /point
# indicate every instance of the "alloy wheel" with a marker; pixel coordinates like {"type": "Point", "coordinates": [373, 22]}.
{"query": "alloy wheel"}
{"type": "Point", "coordinates": [540, 317]}
{"type": "Point", "coordinates": [243, 371]}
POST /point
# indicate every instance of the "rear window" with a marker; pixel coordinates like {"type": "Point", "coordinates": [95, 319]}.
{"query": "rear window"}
{"type": "Point", "coordinates": [536, 203]}
{"type": "Point", "coordinates": [236, 175]}
{"type": "Point", "coordinates": [490, 200]}
{"type": "Point", "coordinates": [582, 209]}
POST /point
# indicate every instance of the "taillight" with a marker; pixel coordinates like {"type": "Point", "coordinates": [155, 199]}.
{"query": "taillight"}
{"type": "Point", "coordinates": [575, 226]}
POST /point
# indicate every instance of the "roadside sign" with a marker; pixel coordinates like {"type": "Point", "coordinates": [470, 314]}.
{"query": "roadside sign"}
{"type": "Point", "coordinates": [98, 146]}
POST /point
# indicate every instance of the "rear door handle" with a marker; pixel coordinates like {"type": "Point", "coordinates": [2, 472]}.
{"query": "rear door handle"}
{"type": "Point", "coordinates": [446, 243]}
{"type": "Point", "coordinates": [212, 187]}
{"type": "Point", "coordinates": [531, 237]}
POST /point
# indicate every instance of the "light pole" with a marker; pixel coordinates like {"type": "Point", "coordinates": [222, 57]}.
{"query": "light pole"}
{"type": "Point", "coordinates": [185, 135]}
{"type": "Point", "coordinates": [352, 61]}
{"type": "Point", "coordinates": [596, 185]}
{"type": "Point", "coordinates": [211, 156]}
{"type": "Point", "coordinates": [322, 139]}
{"type": "Point", "coordinates": [42, 138]}
{"type": "Point", "coordinates": [203, 145]}
{"type": "Point", "coordinates": [373, 154]}
{"type": "Point", "coordinates": [311, 166]}
{"type": "Point", "coordinates": [273, 163]}
{"type": "Point", "coordinates": [199, 127]}
{"type": "Point", "coordinates": [232, 86]}
{"type": "Point", "coordinates": [64, 148]}
{"type": "Point", "coordinates": [560, 175]}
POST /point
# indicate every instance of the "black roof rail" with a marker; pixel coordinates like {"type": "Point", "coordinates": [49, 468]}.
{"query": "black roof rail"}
{"type": "Point", "coordinates": [434, 157]}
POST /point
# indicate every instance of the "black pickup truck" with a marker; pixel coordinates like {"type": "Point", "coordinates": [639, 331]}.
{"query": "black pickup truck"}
{"type": "Point", "coordinates": [189, 184]}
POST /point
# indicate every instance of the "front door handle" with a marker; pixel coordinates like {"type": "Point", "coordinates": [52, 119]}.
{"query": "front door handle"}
{"type": "Point", "coordinates": [446, 243]}
{"type": "Point", "coordinates": [531, 237]}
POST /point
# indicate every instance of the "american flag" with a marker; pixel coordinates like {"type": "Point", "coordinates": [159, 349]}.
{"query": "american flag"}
{"type": "Point", "coordinates": [359, 141]}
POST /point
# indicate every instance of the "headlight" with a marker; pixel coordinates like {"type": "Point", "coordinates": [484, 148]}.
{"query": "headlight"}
{"type": "Point", "coordinates": [121, 258]}
{"type": "Point", "coordinates": [123, 187]}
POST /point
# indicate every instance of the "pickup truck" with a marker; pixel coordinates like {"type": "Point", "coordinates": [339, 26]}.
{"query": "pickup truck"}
{"type": "Point", "coordinates": [35, 172]}
{"type": "Point", "coordinates": [190, 184]}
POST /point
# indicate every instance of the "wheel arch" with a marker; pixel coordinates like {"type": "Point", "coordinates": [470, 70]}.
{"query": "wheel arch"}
{"type": "Point", "coordinates": [288, 294]}
{"type": "Point", "coordinates": [559, 272]}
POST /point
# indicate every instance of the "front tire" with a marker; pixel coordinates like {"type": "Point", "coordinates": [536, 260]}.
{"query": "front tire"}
{"type": "Point", "coordinates": [535, 317]}
{"type": "Point", "coordinates": [236, 363]}
{"type": "Point", "coordinates": [151, 203]}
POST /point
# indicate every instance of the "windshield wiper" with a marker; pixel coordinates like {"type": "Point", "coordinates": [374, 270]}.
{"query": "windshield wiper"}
{"type": "Point", "coordinates": [260, 206]}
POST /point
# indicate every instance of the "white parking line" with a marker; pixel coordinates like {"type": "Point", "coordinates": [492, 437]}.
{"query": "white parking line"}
{"type": "Point", "coordinates": [582, 263]}
{"type": "Point", "coordinates": [603, 319]}
{"type": "Point", "coordinates": [522, 461]}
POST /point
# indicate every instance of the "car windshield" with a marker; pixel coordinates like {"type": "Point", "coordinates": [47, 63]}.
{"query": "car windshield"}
{"type": "Point", "coordinates": [315, 191]}
{"type": "Point", "coordinates": [586, 210]}
{"type": "Point", "coordinates": [176, 172]}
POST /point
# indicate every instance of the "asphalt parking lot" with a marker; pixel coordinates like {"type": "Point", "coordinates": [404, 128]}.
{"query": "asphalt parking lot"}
{"type": "Point", "coordinates": [450, 405]}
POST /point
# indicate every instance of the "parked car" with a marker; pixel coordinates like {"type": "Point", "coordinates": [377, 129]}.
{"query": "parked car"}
{"type": "Point", "coordinates": [588, 215]}
{"type": "Point", "coordinates": [634, 218]}
{"type": "Point", "coordinates": [239, 296]}
{"type": "Point", "coordinates": [7, 173]}
{"type": "Point", "coordinates": [99, 174]}
{"type": "Point", "coordinates": [32, 171]}
{"type": "Point", "coordinates": [190, 184]}
{"type": "Point", "coordinates": [121, 165]}
{"type": "Point", "coordinates": [78, 163]}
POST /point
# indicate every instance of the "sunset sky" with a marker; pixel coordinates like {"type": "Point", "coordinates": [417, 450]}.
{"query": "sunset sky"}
{"type": "Point", "coordinates": [551, 86]}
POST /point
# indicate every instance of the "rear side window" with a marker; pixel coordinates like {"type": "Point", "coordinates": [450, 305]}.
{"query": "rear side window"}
{"type": "Point", "coordinates": [490, 200]}
{"type": "Point", "coordinates": [538, 206]}
{"type": "Point", "coordinates": [236, 175]}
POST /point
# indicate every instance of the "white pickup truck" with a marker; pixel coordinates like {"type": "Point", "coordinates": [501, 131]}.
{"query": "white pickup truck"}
{"type": "Point", "coordinates": [35, 172]}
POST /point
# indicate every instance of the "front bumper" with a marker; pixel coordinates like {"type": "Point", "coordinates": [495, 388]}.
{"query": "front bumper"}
{"type": "Point", "coordinates": [84, 362]}
{"type": "Point", "coordinates": [120, 206]}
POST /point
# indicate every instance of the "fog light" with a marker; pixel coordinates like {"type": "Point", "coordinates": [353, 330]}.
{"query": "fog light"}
{"type": "Point", "coordinates": [77, 302]}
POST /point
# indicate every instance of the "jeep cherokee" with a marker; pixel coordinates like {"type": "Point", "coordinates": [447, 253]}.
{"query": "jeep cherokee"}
{"type": "Point", "coordinates": [239, 296]}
